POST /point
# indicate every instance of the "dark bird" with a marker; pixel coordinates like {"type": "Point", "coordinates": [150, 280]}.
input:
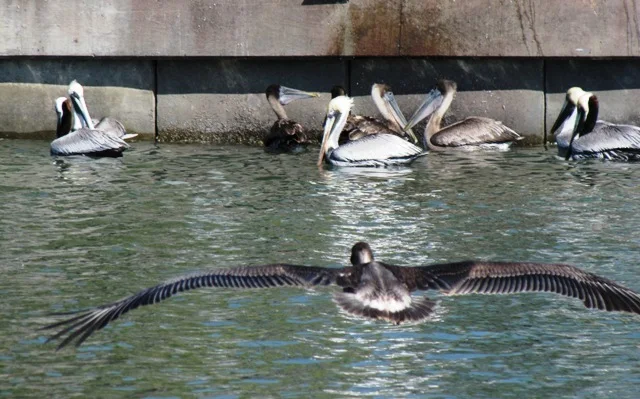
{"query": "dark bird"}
{"type": "Point", "coordinates": [373, 289]}
{"type": "Point", "coordinates": [580, 135]}
{"type": "Point", "coordinates": [285, 134]}
{"type": "Point", "coordinates": [381, 149]}
{"type": "Point", "coordinates": [472, 133]}
{"type": "Point", "coordinates": [358, 126]}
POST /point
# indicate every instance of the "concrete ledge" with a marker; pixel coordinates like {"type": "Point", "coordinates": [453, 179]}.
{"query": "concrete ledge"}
{"type": "Point", "coordinates": [224, 100]}
{"type": "Point", "coordinates": [510, 91]}
{"type": "Point", "coordinates": [121, 89]}
{"type": "Point", "coordinates": [615, 82]}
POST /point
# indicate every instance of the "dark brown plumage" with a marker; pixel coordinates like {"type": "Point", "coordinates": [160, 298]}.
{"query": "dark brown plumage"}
{"type": "Point", "coordinates": [359, 126]}
{"type": "Point", "coordinates": [285, 134]}
{"type": "Point", "coordinates": [375, 289]}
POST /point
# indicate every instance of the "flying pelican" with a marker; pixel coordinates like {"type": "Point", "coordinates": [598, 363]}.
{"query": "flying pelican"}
{"type": "Point", "coordinates": [285, 134]}
{"type": "Point", "coordinates": [372, 289]}
{"type": "Point", "coordinates": [358, 126]}
{"type": "Point", "coordinates": [581, 136]}
{"type": "Point", "coordinates": [83, 141]}
{"type": "Point", "coordinates": [380, 149]}
{"type": "Point", "coordinates": [474, 132]}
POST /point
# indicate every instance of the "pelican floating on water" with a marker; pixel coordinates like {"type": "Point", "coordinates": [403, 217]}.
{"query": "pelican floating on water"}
{"type": "Point", "coordinates": [580, 135]}
{"type": "Point", "coordinates": [76, 134]}
{"type": "Point", "coordinates": [358, 126]}
{"type": "Point", "coordinates": [380, 149]}
{"type": "Point", "coordinates": [373, 289]}
{"type": "Point", "coordinates": [474, 132]}
{"type": "Point", "coordinates": [285, 134]}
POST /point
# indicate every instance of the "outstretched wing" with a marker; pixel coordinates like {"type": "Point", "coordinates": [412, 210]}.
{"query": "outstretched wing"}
{"type": "Point", "coordinates": [474, 131]}
{"type": "Point", "coordinates": [81, 326]}
{"type": "Point", "coordinates": [507, 278]}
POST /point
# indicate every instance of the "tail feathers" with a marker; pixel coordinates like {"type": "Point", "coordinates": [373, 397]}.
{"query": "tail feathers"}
{"type": "Point", "coordinates": [129, 136]}
{"type": "Point", "coordinates": [418, 310]}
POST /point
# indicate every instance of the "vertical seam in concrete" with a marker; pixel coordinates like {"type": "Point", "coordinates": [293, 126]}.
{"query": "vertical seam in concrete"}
{"type": "Point", "coordinates": [155, 98]}
{"type": "Point", "coordinates": [544, 103]}
{"type": "Point", "coordinates": [401, 23]}
{"type": "Point", "coordinates": [347, 77]}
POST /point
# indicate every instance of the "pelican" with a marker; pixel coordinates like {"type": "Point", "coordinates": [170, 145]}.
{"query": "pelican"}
{"type": "Point", "coordinates": [358, 126]}
{"type": "Point", "coordinates": [81, 113]}
{"type": "Point", "coordinates": [375, 290]}
{"type": "Point", "coordinates": [474, 132]}
{"type": "Point", "coordinates": [285, 134]}
{"type": "Point", "coordinates": [380, 149]}
{"type": "Point", "coordinates": [581, 136]}
{"type": "Point", "coordinates": [82, 141]}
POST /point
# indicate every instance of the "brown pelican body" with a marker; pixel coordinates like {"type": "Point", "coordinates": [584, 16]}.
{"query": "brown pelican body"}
{"type": "Point", "coordinates": [285, 134]}
{"type": "Point", "coordinates": [376, 290]}
{"type": "Point", "coordinates": [471, 133]}
{"type": "Point", "coordinates": [580, 135]}
{"type": "Point", "coordinates": [380, 149]}
{"type": "Point", "coordinates": [358, 126]}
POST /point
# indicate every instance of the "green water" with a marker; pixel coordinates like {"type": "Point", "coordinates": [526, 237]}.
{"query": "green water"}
{"type": "Point", "coordinates": [78, 232]}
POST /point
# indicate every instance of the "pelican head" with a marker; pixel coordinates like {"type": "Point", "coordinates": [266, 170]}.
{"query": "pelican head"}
{"type": "Point", "coordinates": [361, 254]}
{"type": "Point", "coordinates": [285, 95]}
{"type": "Point", "coordinates": [337, 114]}
{"type": "Point", "coordinates": [568, 108]}
{"type": "Point", "coordinates": [76, 94]}
{"type": "Point", "coordinates": [337, 91]}
{"type": "Point", "coordinates": [388, 107]}
{"type": "Point", "coordinates": [432, 102]}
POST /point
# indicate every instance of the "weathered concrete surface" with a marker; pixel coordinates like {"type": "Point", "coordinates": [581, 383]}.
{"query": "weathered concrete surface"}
{"type": "Point", "coordinates": [224, 101]}
{"type": "Point", "coordinates": [121, 89]}
{"type": "Point", "coordinates": [521, 28]}
{"type": "Point", "coordinates": [615, 82]}
{"type": "Point", "coordinates": [510, 91]}
{"type": "Point", "coordinates": [152, 28]}
{"type": "Point", "coordinates": [200, 28]}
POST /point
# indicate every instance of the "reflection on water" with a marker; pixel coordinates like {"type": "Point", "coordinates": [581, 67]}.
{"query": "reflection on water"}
{"type": "Point", "coordinates": [79, 232]}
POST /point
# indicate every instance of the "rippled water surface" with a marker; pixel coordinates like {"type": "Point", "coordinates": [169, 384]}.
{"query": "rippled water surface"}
{"type": "Point", "coordinates": [79, 232]}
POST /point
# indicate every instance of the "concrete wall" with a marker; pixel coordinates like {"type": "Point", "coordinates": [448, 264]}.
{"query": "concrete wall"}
{"type": "Point", "coordinates": [232, 28]}
{"type": "Point", "coordinates": [196, 70]}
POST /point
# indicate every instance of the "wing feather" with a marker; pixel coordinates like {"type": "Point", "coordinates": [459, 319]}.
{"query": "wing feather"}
{"type": "Point", "coordinates": [81, 326]}
{"type": "Point", "coordinates": [474, 131]}
{"type": "Point", "coordinates": [87, 142]}
{"type": "Point", "coordinates": [505, 278]}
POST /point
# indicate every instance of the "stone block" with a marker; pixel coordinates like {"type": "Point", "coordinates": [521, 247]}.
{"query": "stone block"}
{"type": "Point", "coordinates": [118, 88]}
{"type": "Point", "coordinates": [223, 100]}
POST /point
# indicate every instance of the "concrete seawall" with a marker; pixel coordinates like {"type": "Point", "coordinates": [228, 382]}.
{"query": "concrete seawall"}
{"type": "Point", "coordinates": [196, 71]}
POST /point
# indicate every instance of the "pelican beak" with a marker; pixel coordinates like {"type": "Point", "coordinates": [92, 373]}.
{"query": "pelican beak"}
{"type": "Point", "coordinates": [577, 130]}
{"type": "Point", "coordinates": [428, 107]}
{"type": "Point", "coordinates": [329, 126]}
{"type": "Point", "coordinates": [81, 109]}
{"type": "Point", "coordinates": [565, 112]}
{"type": "Point", "coordinates": [397, 114]}
{"type": "Point", "coordinates": [288, 94]}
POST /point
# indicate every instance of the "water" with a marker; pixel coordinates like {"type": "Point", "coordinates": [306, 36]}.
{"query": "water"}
{"type": "Point", "coordinates": [78, 232]}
